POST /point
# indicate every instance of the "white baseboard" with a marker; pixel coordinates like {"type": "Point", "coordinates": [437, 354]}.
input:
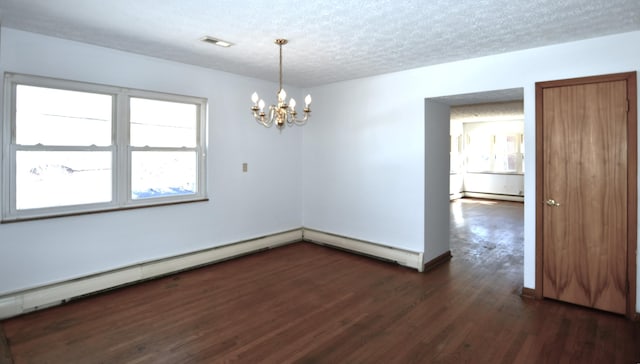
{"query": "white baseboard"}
{"type": "Point", "coordinates": [403, 257]}
{"type": "Point", "coordinates": [16, 303]}
{"type": "Point", "coordinates": [492, 196]}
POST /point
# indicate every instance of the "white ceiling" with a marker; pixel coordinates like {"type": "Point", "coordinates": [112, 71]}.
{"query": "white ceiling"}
{"type": "Point", "coordinates": [330, 40]}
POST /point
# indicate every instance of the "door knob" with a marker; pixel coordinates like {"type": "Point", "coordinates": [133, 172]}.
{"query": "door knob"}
{"type": "Point", "coordinates": [552, 202]}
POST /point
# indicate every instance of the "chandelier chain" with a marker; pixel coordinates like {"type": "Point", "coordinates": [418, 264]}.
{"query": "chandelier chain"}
{"type": "Point", "coordinates": [280, 67]}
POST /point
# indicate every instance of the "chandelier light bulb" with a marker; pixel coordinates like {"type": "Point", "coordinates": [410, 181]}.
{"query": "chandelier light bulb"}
{"type": "Point", "coordinates": [307, 100]}
{"type": "Point", "coordinates": [282, 95]}
{"type": "Point", "coordinates": [261, 105]}
{"type": "Point", "coordinates": [292, 103]}
{"type": "Point", "coordinates": [255, 98]}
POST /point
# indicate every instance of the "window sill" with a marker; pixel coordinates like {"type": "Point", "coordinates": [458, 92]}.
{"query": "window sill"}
{"type": "Point", "coordinates": [98, 211]}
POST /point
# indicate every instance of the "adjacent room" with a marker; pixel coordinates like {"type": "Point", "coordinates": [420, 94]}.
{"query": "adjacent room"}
{"type": "Point", "coordinates": [329, 182]}
{"type": "Point", "coordinates": [487, 151]}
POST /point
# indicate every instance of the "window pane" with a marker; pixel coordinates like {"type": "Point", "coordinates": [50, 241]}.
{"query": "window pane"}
{"type": "Point", "coordinates": [512, 162]}
{"type": "Point", "coordinates": [455, 160]}
{"type": "Point", "coordinates": [160, 174]}
{"type": "Point", "coordinates": [61, 117]}
{"type": "Point", "coordinates": [157, 123]}
{"type": "Point", "coordinates": [512, 143]}
{"type": "Point", "coordinates": [506, 149]}
{"type": "Point", "coordinates": [48, 179]}
{"type": "Point", "coordinates": [479, 153]}
{"type": "Point", "coordinates": [506, 144]}
{"type": "Point", "coordinates": [506, 163]}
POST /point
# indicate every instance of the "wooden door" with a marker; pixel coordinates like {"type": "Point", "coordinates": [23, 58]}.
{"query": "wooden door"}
{"type": "Point", "coordinates": [584, 192]}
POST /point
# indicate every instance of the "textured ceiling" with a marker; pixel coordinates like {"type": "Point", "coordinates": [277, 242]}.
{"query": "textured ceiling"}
{"type": "Point", "coordinates": [330, 40]}
{"type": "Point", "coordinates": [510, 94]}
{"type": "Point", "coordinates": [495, 111]}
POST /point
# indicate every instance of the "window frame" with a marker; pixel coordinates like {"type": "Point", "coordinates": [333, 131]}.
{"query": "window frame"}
{"type": "Point", "coordinates": [120, 149]}
{"type": "Point", "coordinates": [492, 152]}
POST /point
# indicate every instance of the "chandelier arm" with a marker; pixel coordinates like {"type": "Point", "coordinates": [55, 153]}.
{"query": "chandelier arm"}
{"type": "Point", "coordinates": [259, 118]}
{"type": "Point", "coordinates": [301, 121]}
{"type": "Point", "coordinates": [263, 120]}
{"type": "Point", "coordinates": [290, 117]}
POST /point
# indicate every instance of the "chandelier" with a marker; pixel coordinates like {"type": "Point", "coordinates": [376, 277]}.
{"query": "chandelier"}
{"type": "Point", "coordinates": [284, 112]}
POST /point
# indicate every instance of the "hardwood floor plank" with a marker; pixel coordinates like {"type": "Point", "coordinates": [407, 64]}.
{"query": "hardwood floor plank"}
{"type": "Point", "coordinates": [5, 352]}
{"type": "Point", "coordinates": [305, 303]}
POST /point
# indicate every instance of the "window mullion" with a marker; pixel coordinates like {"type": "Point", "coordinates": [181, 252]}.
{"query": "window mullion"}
{"type": "Point", "coordinates": [493, 153]}
{"type": "Point", "coordinates": [8, 165]}
{"type": "Point", "coordinates": [202, 148]}
{"type": "Point", "coordinates": [122, 170]}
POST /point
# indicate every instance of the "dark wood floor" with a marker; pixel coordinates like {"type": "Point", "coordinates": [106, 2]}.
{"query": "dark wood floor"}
{"type": "Point", "coordinates": [310, 304]}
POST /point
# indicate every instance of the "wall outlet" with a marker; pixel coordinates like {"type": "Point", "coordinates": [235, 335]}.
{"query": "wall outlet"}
{"type": "Point", "coordinates": [245, 167]}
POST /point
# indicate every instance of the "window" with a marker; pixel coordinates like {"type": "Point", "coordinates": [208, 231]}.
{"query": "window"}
{"type": "Point", "coordinates": [506, 153]}
{"type": "Point", "coordinates": [72, 147]}
{"type": "Point", "coordinates": [479, 152]}
{"type": "Point", "coordinates": [498, 153]}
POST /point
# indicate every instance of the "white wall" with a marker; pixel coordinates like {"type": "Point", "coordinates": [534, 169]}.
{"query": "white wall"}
{"type": "Point", "coordinates": [456, 179]}
{"type": "Point", "coordinates": [265, 200]}
{"type": "Point", "coordinates": [363, 159]}
{"type": "Point", "coordinates": [363, 162]}
{"type": "Point", "coordinates": [436, 226]}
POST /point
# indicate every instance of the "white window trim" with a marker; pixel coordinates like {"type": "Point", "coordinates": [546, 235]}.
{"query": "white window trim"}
{"type": "Point", "coordinates": [121, 161]}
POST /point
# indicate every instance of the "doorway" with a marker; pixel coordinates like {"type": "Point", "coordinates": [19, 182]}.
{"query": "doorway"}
{"type": "Point", "coordinates": [480, 209]}
{"type": "Point", "coordinates": [586, 181]}
{"type": "Point", "coordinates": [487, 151]}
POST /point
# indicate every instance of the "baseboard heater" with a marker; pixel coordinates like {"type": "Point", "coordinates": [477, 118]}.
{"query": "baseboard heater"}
{"type": "Point", "coordinates": [491, 196]}
{"type": "Point", "coordinates": [403, 257]}
{"type": "Point", "coordinates": [17, 303]}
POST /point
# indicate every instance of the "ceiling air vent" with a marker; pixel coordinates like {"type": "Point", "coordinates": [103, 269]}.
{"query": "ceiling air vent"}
{"type": "Point", "coordinates": [216, 41]}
